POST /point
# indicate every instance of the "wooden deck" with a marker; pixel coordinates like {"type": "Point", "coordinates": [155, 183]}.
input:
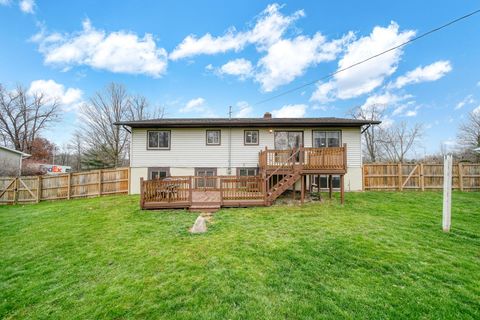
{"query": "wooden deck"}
{"type": "Point", "coordinates": [279, 171]}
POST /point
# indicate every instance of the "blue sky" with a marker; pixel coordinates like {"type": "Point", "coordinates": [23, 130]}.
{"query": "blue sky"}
{"type": "Point", "coordinates": [195, 59]}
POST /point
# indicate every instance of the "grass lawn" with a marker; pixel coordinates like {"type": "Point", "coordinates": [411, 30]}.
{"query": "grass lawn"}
{"type": "Point", "coordinates": [381, 255]}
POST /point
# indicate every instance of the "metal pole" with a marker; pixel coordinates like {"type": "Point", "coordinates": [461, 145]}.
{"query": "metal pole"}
{"type": "Point", "coordinates": [229, 169]}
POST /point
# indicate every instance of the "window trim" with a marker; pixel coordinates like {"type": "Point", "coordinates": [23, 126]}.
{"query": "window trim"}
{"type": "Point", "coordinates": [247, 168]}
{"type": "Point", "coordinates": [245, 137]}
{"type": "Point", "coordinates": [152, 169]}
{"type": "Point", "coordinates": [340, 144]}
{"type": "Point", "coordinates": [160, 148]}
{"type": "Point", "coordinates": [219, 137]}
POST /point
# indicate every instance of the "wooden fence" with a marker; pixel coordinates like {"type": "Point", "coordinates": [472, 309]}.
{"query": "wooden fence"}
{"type": "Point", "coordinates": [64, 186]}
{"type": "Point", "coordinates": [419, 176]}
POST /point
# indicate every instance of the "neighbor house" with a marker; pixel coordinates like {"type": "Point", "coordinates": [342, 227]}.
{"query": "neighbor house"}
{"type": "Point", "coordinates": [247, 147]}
{"type": "Point", "coordinates": [11, 161]}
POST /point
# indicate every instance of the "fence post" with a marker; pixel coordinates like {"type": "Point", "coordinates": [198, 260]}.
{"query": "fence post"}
{"type": "Point", "coordinates": [39, 188]}
{"type": "Point", "coordinates": [69, 185]}
{"type": "Point", "coordinates": [15, 191]}
{"type": "Point", "coordinates": [100, 182]}
{"type": "Point", "coordinates": [400, 187]}
{"type": "Point", "coordinates": [422, 178]}
{"type": "Point", "coordinates": [460, 176]}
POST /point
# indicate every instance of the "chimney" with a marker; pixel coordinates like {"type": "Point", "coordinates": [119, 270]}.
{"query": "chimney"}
{"type": "Point", "coordinates": [267, 115]}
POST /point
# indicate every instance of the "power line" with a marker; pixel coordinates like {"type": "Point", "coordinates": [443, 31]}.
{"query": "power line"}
{"type": "Point", "coordinates": [369, 58]}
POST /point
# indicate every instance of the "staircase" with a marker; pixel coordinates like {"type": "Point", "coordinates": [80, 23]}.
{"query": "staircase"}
{"type": "Point", "coordinates": [287, 181]}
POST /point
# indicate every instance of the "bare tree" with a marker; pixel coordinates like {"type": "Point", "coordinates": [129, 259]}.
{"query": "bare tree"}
{"type": "Point", "coordinates": [372, 149]}
{"type": "Point", "coordinates": [104, 140]}
{"type": "Point", "coordinates": [23, 115]}
{"type": "Point", "coordinates": [77, 148]}
{"type": "Point", "coordinates": [469, 136]}
{"type": "Point", "coordinates": [396, 141]}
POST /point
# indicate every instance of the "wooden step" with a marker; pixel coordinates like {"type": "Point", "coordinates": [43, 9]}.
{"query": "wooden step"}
{"type": "Point", "coordinates": [204, 208]}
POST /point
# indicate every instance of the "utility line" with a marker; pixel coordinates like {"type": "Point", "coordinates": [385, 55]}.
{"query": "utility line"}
{"type": "Point", "coordinates": [369, 58]}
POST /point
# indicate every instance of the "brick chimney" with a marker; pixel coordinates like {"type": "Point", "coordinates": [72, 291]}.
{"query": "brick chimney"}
{"type": "Point", "coordinates": [267, 115]}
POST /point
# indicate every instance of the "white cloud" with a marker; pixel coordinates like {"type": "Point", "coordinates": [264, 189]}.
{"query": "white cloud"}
{"type": "Point", "coordinates": [120, 52]}
{"type": "Point", "coordinates": [385, 100]}
{"type": "Point", "coordinates": [194, 105]}
{"type": "Point", "coordinates": [244, 110]}
{"type": "Point", "coordinates": [478, 84]}
{"type": "Point", "coordinates": [288, 59]}
{"type": "Point", "coordinates": [69, 98]}
{"type": "Point", "coordinates": [411, 113]}
{"type": "Point", "coordinates": [290, 111]}
{"type": "Point", "coordinates": [269, 27]}
{"type": "Point", "coordinates": [466, 101]}
{"type": "Point", "coordinates": [27, 6]}
{"type": "Point", "coordinates": [476, 110]}
{"type": "Point", "coordinates": [398, 110]}
{"type": "Point", "coordinates": [4, 2]}
{"type": "Point", "coordinates": [238, 67]}
{"type": "Point", "coordinates": [369, 75]}
{"type": "Point", "coordinates": [432, 72]}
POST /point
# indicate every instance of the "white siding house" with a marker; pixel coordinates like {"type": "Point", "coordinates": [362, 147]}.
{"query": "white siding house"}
{"type": "Point", "coordinates": [188, 150]}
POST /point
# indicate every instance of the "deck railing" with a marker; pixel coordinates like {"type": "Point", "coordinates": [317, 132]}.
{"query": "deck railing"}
{"type": "Point", "coordinates": [166, 191]}
{"type": "Point", "coordinates": [331, 158]}
{"type": "Point", "coordinates": [178, 191]}
{"type": "Point", "coordinates": [242, 188]}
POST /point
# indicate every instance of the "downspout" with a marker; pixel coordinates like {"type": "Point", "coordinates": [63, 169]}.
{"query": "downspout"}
{"type": "Point", "coordinates": [229, 169]}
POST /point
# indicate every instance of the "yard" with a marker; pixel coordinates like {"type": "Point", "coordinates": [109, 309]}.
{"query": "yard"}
{"type": "Point", "coordinates": [381, 255]}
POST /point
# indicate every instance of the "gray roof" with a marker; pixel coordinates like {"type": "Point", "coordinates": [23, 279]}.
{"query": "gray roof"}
{"type": "Point", "coordinates": [23, 154]}
{"type": "Point", "coordinates": [246, 122]}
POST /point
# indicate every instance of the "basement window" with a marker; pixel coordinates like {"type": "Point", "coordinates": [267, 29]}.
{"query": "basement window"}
{"type": "Point", "coordinates": [155, 173]}
{"type": "Point", "coordinates": [245, 172]}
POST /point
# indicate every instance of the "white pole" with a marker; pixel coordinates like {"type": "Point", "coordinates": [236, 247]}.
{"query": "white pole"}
{"type": "Point", "coordinates": [447, 192]}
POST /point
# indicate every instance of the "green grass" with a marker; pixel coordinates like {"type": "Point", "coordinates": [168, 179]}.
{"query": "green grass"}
{"type": "Point", "coordinates": [381, 255]}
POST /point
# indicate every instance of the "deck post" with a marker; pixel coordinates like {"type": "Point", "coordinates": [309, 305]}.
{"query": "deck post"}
{"type": "Point", "coordinates": [190, 190]}
{"type": "Point", "coordinates": [294, 190]}
{"type": "Point", "coordinates": [330, 187]}
{"type": "Point", "coordinates": [302, 191]}
{"type": "Point", "coordinates": [142, 195]}
{"type": "Point", "coordinates": [342, 191]}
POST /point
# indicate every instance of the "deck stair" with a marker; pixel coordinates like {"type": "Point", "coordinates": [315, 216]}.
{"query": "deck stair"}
{"type": "Point", "coordinates": [286, 182]}
{"type": "Point", "coordinates": [214, 207]}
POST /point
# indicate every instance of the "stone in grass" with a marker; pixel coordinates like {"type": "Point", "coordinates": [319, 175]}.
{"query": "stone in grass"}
{"type": "Point", "coordinates": [200, 225]}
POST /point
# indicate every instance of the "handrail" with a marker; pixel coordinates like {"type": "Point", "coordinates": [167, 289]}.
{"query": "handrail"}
{"type": "Point", "coordinates": [286, 162]}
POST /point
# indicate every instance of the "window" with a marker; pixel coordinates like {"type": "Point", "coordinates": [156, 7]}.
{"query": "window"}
{"type": "Point", "coordinates": [247, 172]}
{"type": "Point", "coordinates": [285, 140]}
{"type": "Point", "coordinates": [322, 139]}
{"type": "Point", "coordinates": [156, 173]}
{"type": "Point", "coordinates": [251, 137]}
{"type": "Point", "coordinates": [202, 179]}
{"type": "Point", "coordinates": [158, 139]}
{"type": "Point", "coordinates": [213, 137]}
{"type": "Point", "coordinates": [324, 182]}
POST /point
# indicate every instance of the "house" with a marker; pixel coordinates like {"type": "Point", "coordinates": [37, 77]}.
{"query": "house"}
{"type": "Point", "coordinates": [11, 161]}
{"type": "Point", "coordinates": [330, 147]}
